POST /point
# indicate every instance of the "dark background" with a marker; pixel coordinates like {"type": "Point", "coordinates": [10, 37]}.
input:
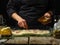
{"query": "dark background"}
{"type": "Point", "coordinates": [3, 5]}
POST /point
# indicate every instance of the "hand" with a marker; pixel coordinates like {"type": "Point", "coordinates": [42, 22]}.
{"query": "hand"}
{"type": "Point", "coordinates": [45, 19]}
{"type": "Point", "coordinates": [47, 16]}
{"type": "Point", "coordinates": [22, 23]}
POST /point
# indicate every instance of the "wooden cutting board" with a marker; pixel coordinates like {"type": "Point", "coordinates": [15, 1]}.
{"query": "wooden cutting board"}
{"type": "Point", "coordinates": [30, 32]}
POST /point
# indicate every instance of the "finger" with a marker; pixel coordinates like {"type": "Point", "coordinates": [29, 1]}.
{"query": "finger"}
{"type": "Point", "coordinates": [25, 24]}
{"type": "Point", "coordinates": [47, 15]}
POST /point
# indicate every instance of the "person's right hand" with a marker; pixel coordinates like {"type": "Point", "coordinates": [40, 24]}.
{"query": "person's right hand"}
{"type": "Point", "coordinates": [22, 23]}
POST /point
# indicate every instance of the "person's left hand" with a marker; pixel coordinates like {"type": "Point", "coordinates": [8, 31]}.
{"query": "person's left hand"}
{"type": "Point", "coordinates": [45, 19]}
{"type": "Point", "coordinates": [47, 15]}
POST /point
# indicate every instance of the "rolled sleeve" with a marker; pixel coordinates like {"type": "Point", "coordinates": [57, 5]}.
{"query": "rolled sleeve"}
{"type": "Point", "coordinates": [10, 12]}
{"type": "Point", "coordinates": [11, 7]}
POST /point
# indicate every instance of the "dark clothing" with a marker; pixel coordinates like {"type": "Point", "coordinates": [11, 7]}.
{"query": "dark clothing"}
{"type": "Point", "coordinates": [56, 6]}
{"type": "Point", "coordinates": [30, 10]}
{"type": "Point", "coordinates": [3, 4]}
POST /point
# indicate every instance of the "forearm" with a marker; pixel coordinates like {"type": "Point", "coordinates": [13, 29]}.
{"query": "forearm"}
{"type": "Point", "coordinates": [16, 16]}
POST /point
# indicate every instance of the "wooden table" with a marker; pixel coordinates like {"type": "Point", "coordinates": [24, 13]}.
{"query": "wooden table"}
{"type": "Point", "coordinates": [18, 40]}
{"type": "Point", "coordinates": [34, 40]}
